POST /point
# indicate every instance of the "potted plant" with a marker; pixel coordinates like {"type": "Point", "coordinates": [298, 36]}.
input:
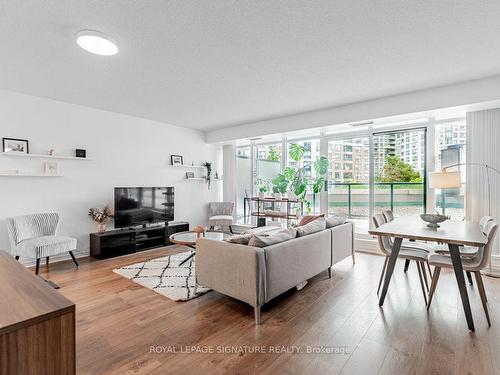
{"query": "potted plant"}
{"type": "Point", "coordinates": [294, 180]}
{"type": "Point", "coordinates": [102, 217]}
{"type": "Point", "coordinates": [262, 186]}
{"type": "Point", "coordinates": [208, 165]}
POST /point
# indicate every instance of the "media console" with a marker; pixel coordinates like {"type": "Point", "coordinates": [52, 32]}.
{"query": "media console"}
{"type": "Point", "coordinates": [127, 241]}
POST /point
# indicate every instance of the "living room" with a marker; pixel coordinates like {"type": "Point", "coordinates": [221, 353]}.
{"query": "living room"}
{"type": "Point", "coordinates": [261, 187]}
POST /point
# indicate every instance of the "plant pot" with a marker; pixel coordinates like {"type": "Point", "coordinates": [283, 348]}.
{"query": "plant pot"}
{"type": "Point", "coordinates": [101, 227]}
{"type": "Point", "coordinates": [261, 195]}
{"type": "Point", "coordinates": [277, 196]}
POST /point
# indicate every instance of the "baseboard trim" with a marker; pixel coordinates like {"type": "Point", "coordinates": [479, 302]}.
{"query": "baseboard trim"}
{"type": "Point", "coordinates": [365, 245]}
{"type": "Point", "coordinates": [54, 259]}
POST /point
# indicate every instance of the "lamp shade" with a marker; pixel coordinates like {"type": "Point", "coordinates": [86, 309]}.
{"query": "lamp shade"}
{"type": "Point", "coordinates": [444, 180]}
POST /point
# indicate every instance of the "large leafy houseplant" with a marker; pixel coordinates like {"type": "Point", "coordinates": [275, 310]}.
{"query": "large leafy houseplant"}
{"type": "Point", "coordinates": [294, 179]}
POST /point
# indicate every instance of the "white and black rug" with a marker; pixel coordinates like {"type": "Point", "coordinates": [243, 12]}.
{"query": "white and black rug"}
{"type": "Point", "coordinates": [165, 276]}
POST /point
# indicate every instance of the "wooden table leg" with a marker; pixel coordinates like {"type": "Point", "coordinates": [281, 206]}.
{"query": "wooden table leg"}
{"type": "Point", "coordinates": [459, 274]}
{"type": "Point", "coordinates": [390, 268]}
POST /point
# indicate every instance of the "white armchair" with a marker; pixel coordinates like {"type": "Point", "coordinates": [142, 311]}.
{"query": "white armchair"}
{"type": "Point", "coordinates": [34, 236]}
{"type": "Point", "coordinates": [220, 214]}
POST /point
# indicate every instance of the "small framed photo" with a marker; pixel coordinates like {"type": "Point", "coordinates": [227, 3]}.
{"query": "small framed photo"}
{"type": "Point", "coordinates": [189, 174]}
{"type": "Point", "coordinates": [176, 160]}
{"type": "Point", "coordinates": [51, 168]}
{"type": "Point", "coordinates": [18, 146]}
{"type": "Point", "coordinates": [80, 153]}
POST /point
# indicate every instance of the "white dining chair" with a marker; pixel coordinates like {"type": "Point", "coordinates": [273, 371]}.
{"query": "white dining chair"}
{"type": "Point", "coordinates": [389, 216]}
{"type": "Point", "coordinates": [465, 251]}
{"type": "Point", "coordinates": [471, 264]}
{"type": "Point", "coordinates": [407, 253]}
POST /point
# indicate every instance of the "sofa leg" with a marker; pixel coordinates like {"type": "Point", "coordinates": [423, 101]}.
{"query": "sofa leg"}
{"type": "Point", "coordinates": [256, 312]}
{"type": "Point", "coordinates": [17, 257]}
{"type": "Point", "coordinates": [329, 272]}
{"type": "Point", "coordinates": [231, 229]}
{"type": "Point", "coordinates": [74, 259]}
{"type": "Point", "coordinates": [37, 267]}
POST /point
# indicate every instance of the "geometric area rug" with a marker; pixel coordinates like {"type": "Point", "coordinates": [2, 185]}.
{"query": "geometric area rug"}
{"type": "Point", "coordinates": [166, 277]}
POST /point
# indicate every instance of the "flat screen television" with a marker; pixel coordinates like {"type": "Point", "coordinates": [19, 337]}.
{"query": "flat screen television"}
{"type": "Point", "coordinates": [142, 206]}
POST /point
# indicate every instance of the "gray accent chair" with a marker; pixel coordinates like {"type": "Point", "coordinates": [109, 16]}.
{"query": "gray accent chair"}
{"type": "Point", "coordinates": [220, 214]}
{"type": "Point", "coordinates": [35, 237]}
{"type": "Point", "coordinates": [474, 265]}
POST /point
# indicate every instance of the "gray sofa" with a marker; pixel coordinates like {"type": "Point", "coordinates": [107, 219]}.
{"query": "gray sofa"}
{"type": "Point", "coordinates": [257, 275]}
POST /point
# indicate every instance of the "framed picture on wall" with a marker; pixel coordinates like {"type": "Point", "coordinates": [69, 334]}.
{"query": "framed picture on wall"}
{"type": "Point", "coordinates": [51, 168]}
{"type": "Point", "coordinates": [176, 160]}
{"type": "Point", "coordinates": [18, 146]}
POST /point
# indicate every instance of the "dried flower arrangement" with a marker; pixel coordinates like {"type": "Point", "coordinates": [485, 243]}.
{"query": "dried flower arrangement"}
{"type": "Point", "coordinates": [102, 217]}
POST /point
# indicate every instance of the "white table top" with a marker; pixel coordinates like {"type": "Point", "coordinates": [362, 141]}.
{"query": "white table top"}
{"type": "Point", "coordinates": [451, 231]}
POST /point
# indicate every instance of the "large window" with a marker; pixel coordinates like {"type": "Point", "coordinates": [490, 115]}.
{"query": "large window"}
{"type": "Point", "coordinates": [399, 159]}
{"type": "Point", "coordinates": [267, 163]}
{"type": "Point", "coordinates": [450, 146]}
{"type": "Point", "coordinates": [397, 170]}
{"type": "Point", "coordinates": [311, 154]}
{"type": "Point", "coordinates": [348, 180]}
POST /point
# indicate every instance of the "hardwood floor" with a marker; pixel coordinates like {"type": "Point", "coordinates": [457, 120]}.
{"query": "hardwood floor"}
{"type": "Point", "coordinates": [118, 322]}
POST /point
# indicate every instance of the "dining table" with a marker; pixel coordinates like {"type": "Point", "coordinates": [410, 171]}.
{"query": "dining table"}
{"type": "Point", "coordinates": [451, 232]}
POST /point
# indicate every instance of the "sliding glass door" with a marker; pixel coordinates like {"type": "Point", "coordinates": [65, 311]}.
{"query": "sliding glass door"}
{"type": "Point", "coordinates": [399, 171]}
{"type": "Point", "coordinates": [348, 180]}
{"type": "Point", "coordinates": [377, 171]}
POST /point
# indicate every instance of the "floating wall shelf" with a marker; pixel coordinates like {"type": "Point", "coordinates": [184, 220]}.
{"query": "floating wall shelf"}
{"type": "Point", "coordinates": [42, 156]}
{"type": "Point", "coordinates": [27, 175]}
{"type": "Point", "coordinates": [189, 166]}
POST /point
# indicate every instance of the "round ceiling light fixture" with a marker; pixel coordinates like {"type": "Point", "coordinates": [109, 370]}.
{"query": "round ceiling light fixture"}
{"type": "Point", "coordinates": [96, 42]}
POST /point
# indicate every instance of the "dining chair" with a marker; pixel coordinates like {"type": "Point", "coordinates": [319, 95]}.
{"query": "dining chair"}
{"type": "Point", "coordinates": [407, 253]}
{"type": "Point", "coordinates": [472, 264]}
{"type": "Point", "coordinates": [389, 216]}
{"type": "Point", "coordinates": [465, 251]}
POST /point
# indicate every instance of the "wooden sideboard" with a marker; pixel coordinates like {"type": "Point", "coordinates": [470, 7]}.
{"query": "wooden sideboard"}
{"type": "Point", "coordinates": [37, 323]}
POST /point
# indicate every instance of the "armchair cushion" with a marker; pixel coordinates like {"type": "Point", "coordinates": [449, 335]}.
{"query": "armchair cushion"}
{"type": "Point", "coordinates": [220, 220]}
{"type": "Point", "coordinates": [44, 246]}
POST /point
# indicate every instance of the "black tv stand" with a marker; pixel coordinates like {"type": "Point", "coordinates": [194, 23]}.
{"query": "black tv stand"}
{"type": "Point", "coordinates": [127, 241]}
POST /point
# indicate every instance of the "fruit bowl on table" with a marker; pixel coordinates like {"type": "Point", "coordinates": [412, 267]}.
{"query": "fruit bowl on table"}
{"type": "Point", "coordinates": [433, 219]}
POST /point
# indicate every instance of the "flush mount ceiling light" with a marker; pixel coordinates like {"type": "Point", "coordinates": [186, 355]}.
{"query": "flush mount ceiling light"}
{"type": "Point", "coordinates": [97, 42]}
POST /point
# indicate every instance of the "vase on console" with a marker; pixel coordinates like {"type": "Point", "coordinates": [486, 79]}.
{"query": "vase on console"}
{"type": "Point", "coordinates": [101, 217]}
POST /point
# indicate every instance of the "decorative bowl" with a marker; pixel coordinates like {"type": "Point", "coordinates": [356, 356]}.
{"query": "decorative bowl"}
{"type": "Point", "coordinates": [433, 219]}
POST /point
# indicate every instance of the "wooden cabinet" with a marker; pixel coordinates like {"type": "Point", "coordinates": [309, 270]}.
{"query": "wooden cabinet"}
{"type": "Point", "coordinates": [37, 323]}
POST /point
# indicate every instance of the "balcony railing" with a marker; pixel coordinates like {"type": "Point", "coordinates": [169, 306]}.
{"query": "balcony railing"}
{"type": "Point", "coordinates": [352, 198]}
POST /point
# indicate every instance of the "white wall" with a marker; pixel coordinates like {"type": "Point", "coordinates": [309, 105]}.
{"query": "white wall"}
{"type": "Point", "coordinates": [125, 151]}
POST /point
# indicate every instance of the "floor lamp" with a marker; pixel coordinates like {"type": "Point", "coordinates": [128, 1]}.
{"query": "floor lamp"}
{"type": "Point", "coordinates": [451, 180]}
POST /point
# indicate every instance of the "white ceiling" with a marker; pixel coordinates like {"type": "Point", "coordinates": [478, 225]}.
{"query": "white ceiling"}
{"type": "Point", "coordinates": [211, 64]}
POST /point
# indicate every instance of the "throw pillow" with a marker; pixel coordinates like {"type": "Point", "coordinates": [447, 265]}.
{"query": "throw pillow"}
{"type": "Point", "coordinates": [315, 226]}
{"type": "Point", "coordinates": [260, 230]}
{"type": "Point", "coordinates": [241, 239]}
{"type": "Point", "coordinates": [334, 220]}
{"type": "Point", "coordinates": [268, 239]}
{"type": "Point", "coordinates": [309, 218]}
